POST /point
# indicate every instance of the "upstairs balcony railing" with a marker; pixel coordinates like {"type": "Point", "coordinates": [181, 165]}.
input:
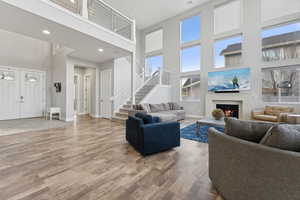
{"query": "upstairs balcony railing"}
{"type": "Point", "coordinates": [102, 14]}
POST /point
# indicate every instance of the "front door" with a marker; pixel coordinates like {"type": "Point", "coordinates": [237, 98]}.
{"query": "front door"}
{"type": "Point", "coordinates": [106, 93]}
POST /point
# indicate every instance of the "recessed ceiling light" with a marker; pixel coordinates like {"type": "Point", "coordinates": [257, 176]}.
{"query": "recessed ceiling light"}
{"type": "Point", "coordinates": [46, 32]}
{"type": "Point", "coordinates": [72, 1]}
{"type": "Point", "coordinates": [100, 50]}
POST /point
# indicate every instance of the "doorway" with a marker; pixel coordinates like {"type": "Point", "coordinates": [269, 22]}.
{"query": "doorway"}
{"type": "Point", "coordinates": [84, 91]}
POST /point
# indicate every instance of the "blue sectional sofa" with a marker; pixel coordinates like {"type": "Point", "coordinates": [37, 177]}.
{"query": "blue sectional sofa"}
{"type": "Point", "coordinates": [148, 135]}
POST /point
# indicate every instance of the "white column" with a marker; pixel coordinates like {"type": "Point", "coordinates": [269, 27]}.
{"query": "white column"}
{"type": "Point", "coordinates": [84, 10]}
{"type": "Point", "coordinates": [133, 78]}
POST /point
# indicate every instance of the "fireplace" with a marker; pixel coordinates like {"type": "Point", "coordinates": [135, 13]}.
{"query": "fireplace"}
{"type": "Point", "coordinates": [230, 110]}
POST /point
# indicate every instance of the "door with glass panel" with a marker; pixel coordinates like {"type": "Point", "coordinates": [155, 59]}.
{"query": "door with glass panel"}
{"type": "Point", "coordinates": [31, 94]}
{"type": "Point", "coordinates": [9, 94]}
{"type": "Point", "coordinates": [22, 93]}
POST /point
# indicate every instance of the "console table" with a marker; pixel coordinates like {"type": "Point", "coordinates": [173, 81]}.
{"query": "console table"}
{"type": "Point", "coordinates": [209, 122]}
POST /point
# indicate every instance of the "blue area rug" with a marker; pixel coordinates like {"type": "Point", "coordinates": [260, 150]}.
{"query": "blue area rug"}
{"type": "Point", "coordinates": [189, 133]}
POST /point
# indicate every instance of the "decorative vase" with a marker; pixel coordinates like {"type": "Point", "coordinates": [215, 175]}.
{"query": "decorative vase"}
{"type": "Point", "coordinates": [217, 114]}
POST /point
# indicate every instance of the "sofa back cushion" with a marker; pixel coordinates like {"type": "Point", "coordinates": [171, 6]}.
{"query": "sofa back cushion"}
{"type": "Point", "coordinates": [157, 108]}
{"type": "Point", "coordinates": [252, 131]}
{"type": "Point", "coordinates": [276, 110]}
{"type": "Point", "coordinates": [174, 106]}
{"type": "Point", "coordinates": [166, 106]}
{"type": "Point", "coordinates": [283, 136]}
{"type": "Point", "coordinates": [146, 107]}
{"type": "Point", "coordinates": [147, 119]}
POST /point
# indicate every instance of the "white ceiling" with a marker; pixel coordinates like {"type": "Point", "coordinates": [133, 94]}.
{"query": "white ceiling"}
{"type": "Point", "coordinates": [150, 12]}
{"type": "Point", "coordinates": [85, 47]}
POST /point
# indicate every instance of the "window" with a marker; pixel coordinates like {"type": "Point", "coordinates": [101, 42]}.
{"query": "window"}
{"type": "Point", "coordinates": [191, 29]}
{"type": "Point", "coordinates": [228, 52]}
{"type": "Point", "coordinates": [227, 17]}
{"type": "Point", "coordinates": [7, 75]}
{"type": "Point", "coordinates": [190, 59]}
{"type": "Point", "coordinates": [153, 64]}
{"type": "Point", "coordinates": [271, 9]}
{"type": "Point", "coordinates": [190, 88]}
{"type": "Point", "coordinates": [154, 41]}
{"type": "Point", "coordinates": [281, 43]}
{"type": "Point", "coordinates": [281, 84]}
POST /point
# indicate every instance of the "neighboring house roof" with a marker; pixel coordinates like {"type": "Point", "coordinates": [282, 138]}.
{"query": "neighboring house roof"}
{"type": "Point", "coordinates": [269, 42]}
{"type": "Point", "coordinates": [188, 83]}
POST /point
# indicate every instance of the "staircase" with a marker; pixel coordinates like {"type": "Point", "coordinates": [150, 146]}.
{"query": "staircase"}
{"type": "Point", "coordinates": [141, 93]}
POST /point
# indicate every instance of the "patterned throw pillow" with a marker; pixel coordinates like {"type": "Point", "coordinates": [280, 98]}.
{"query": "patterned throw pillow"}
{"type": "Point", "coordinates": [176, 106]}
{"type": "Point", "coordinates": [156, 108]}
{"type": "Point", "coordinates": [166, 106]}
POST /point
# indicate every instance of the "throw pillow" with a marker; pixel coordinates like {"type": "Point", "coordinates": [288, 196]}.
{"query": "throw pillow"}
{"type": "Point", "coordinates": [146, 107]}
{"type": "Point", "coordinates": [176, 106]}
{"type": "Point", "coordinates": [252, 131]}
{"type": "Point", "coordinates": [156, 108]}
{"type": "Point", "coordinates": [147, 119]}
{"type": "Point", "coordinates": [171, 105]}
{"type": "Point", "coordinates": [166, 106]}
{"type": "Point", "coordinates": [283, 136]}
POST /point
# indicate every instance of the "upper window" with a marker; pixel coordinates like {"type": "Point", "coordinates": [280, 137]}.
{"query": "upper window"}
{"type": "Point", "coordinates": [271, 9]}
{"type": "Point", "coordinates": [281, 84]}
{"type": "Point", "coordinates": [228, 52]}
{"type": "Point", "coordinates": [190, 59]}
{"type": "Point", "coordinates": [154, 41]}
{"type": "Point", "coordinates": [191, 29]}
{"type": "Point", "coordinates": [153, 65]}
{"type": "Point", "coordinates": [190, 88]}
{"type": "Point", "coordinates": [227, 17]}
{"type": "Point", "coordinates": [281, 43]}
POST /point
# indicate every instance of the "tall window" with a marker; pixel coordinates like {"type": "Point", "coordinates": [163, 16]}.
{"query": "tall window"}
{"type": "Point", "coordinates": [153, 65]}
{"type": "Point", "coordinates": [190, 59]}
{"type": "Point", "coordinates": [281, 84]}
{"type": "Point", "coordinates": [190, 88]}
{"type": "Point", "coordinates": [154, 41]}
{"type": "Point", "coordinates": [227, 17]}
{"type": "Point", "coordinates": [191, 29]}
{"type": "Point", "coordinates": [228, 52]}
{"type": "Point", "coordinates": [281, 43]}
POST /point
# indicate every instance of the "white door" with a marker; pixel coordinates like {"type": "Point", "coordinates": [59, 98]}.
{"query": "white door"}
{"type": "Point", "coordinates": [106, 93]}
{"type": "Point", "coordinates": [22, 93]}
{"type": "Point", "coordinates": [87, 94]}
{"type": "Point", "coordinates": [9, 94]}
{"type": "Point", "coordinates": [31, 95]}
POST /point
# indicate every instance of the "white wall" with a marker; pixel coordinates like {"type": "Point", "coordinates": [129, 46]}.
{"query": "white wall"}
{"type": "Point", "coordinates": [159, 94]}
{"type": "Point", "coordinates": [251, 31]}
{"type": "Point", "coordinates": [21, 51]}
{"type": "Point", "coordinates": [122, 81]}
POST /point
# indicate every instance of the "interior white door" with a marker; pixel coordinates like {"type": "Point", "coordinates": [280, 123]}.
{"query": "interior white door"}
{"type": "Point", "coordinates": [106, 93]}
{"type": "Point", "coordinates": [9, 94]}
{"type": "Point", "coordinates": [32, 94]}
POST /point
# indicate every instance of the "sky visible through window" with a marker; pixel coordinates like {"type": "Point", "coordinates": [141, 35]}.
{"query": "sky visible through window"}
{"type": "Point", "coordinates": [220, 46]}
{"type": "Point", "coordinates": [191, 29]}
{"type": "Point", "coordinates": [190, 59]}
{"type": "Point", "coordinates": [153, 64]}
{"type": "Point", "coordinates": [281, 30]}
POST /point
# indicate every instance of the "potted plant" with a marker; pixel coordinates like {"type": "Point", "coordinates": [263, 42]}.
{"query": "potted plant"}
{"type": "Point", "coordinates": [217, 114]}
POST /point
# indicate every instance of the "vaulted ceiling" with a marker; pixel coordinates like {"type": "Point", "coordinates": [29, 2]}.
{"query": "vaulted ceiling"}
{"type": "Point", "coordinates": [150, 12]}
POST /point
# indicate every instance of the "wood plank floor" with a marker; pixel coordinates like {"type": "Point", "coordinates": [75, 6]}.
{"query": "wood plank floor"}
{"type": "Point", "coordinates": [91, 160]}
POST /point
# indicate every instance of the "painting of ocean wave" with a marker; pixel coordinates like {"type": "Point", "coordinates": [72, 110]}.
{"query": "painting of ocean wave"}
{"type": "Point", "coordinates": [229, 80]}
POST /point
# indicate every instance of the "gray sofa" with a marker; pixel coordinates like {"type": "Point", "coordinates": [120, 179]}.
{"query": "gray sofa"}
{"type": "Point", "coordinates": [167, 112]}
{"type": "Point", "coordinates": [246, 170]}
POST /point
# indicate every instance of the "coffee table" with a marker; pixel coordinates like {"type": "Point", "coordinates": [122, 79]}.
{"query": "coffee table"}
{"type": "Point", "coordinates": [209, 122]}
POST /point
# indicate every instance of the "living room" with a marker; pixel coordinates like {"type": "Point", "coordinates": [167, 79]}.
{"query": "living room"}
{"type": "Point", "coordinates": [109, 99]}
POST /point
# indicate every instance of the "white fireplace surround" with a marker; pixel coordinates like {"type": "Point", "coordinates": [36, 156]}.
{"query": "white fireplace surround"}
{"type": "Point", "coordinates": [243, 100]}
